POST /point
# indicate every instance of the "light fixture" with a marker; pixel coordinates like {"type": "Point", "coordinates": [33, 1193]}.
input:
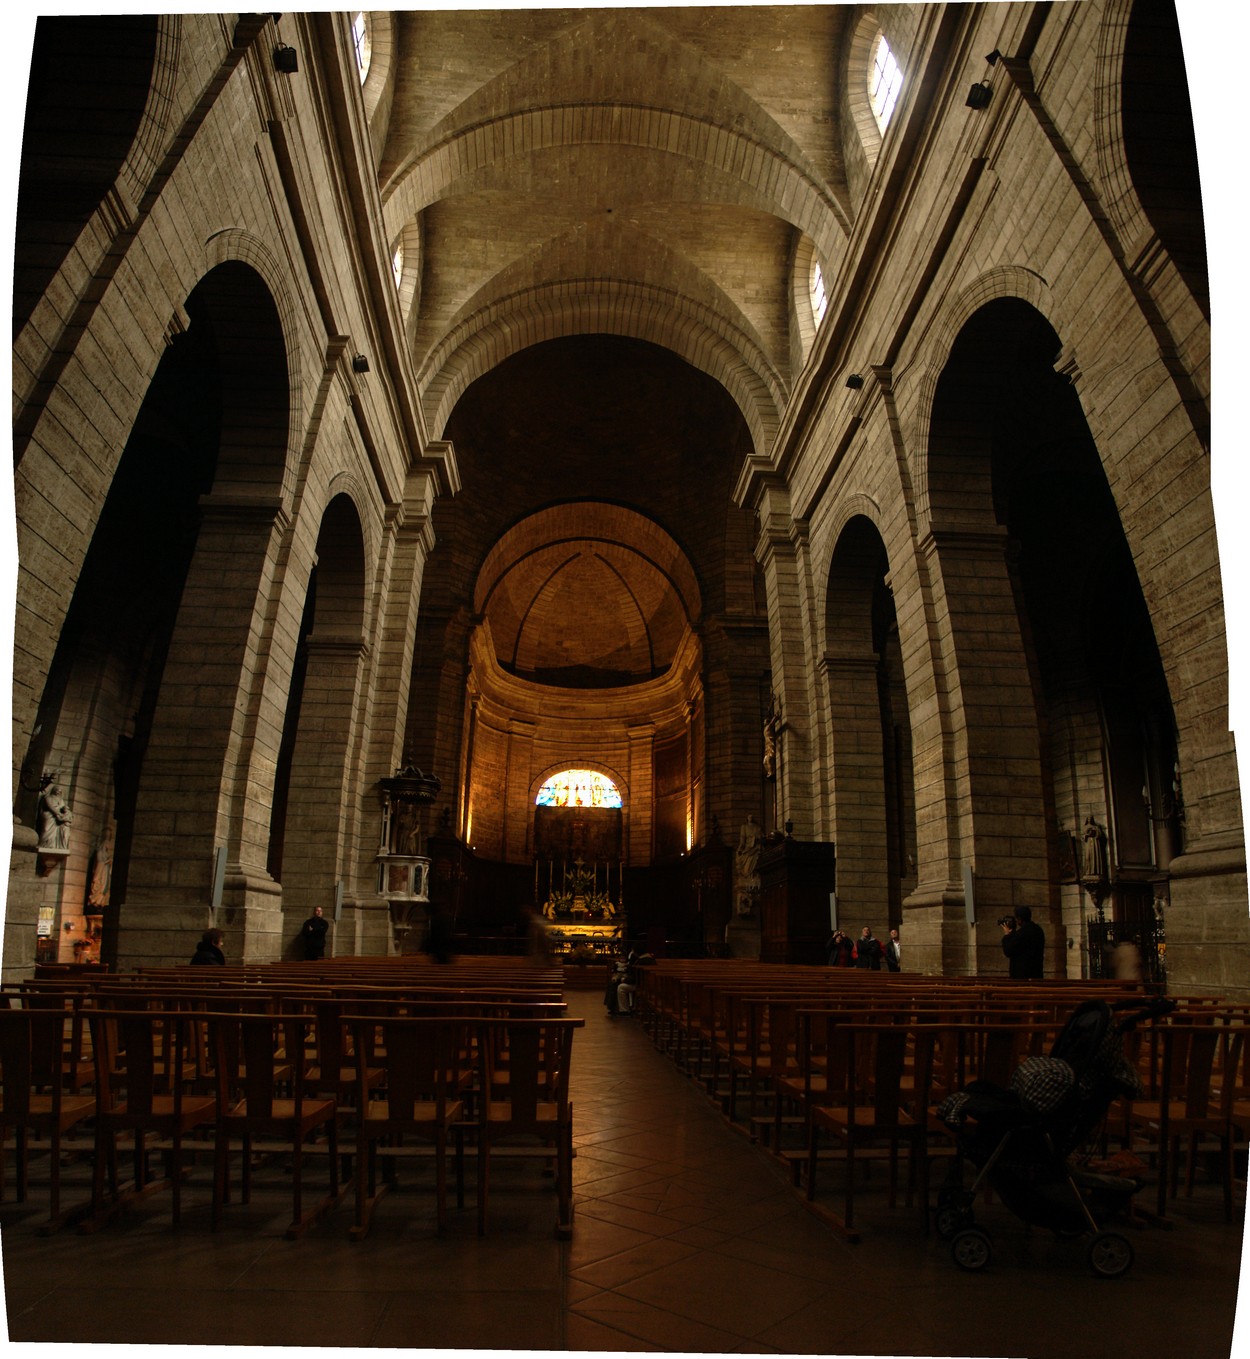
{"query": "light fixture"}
{"type": "Point", "coordinates": [285, 59]}
{"type": "Point", "coordinates": [979, 95]}
{"type": "Point", "coordinates": [360, 364]}
{"type": "Point", "coordinates": [854, 382]}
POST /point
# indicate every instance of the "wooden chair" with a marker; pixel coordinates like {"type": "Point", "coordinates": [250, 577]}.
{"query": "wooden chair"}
{"type": "Point", "coordinates": [1196, 1097]}
{"type": "Point", "coordinates": [533, 1105]}
{"type": "Point", "coordinates": [140, 1091]}
{"type": "Point", "coordinates": [420, 1059]}
{"type": "Point", "coordinates": [33, 1097]}
{"type": "Point", "coordinates": [890, 1112]}
{"type": "Point", "coordinates": [262, 1104]}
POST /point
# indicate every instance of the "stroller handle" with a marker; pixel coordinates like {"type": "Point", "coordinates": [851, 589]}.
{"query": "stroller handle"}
{"type": "Point", "coordinates": [1155, 1007]}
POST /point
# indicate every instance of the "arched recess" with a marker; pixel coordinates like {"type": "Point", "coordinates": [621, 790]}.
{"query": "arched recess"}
{"type": "Point", "coordinates": [1147, 154]}
{"type": "Point", "coordinates": [870, 733]}
{"type": "Point", "coordinates": [307, 850]}
{"type": "Point", "coordinates": [195, 783]}
{"type": "Point", "coordinates": [1060, 707]}
{"type": "Point", "coordinates": [140, 709]}
{"type": "Point", "coordinates": [605, 307]}
{"type": "Point", "coordinates": [72, 157]}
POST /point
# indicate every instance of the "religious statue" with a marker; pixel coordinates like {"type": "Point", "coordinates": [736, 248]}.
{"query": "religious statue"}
{"type": "Point", "coordinates": [54, 817]}
{"type": "Point", "coordinates": [101, 883]}
{"type": "Point", "coordinates": [746, 858]}
{"type": "Point", "coordinates": [746, 865]}
{"type": "Point", "coordinates": [1093, 860]}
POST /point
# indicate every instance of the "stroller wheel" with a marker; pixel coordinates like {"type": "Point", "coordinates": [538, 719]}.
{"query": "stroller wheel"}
{"type": "Point", "coordinates": [970, 1249]}
{"type": "Point", "coordinates": [1110, 1255]}
{"type": "Point", "coordinates": [949, 1219]}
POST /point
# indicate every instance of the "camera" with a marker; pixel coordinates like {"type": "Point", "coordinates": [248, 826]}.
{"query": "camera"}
{"type": "Point", "coordinates": [1008, 922]}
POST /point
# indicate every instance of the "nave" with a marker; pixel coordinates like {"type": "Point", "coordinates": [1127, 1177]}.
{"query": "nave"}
{"type": "Point", "coordinates": [686, 1239]}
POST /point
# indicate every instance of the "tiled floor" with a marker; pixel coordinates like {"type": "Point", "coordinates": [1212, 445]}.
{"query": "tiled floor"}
{"type": "Point", "coordinates": [687, 1239]}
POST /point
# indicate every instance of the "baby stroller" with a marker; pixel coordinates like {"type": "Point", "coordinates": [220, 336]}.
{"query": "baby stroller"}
{"type": "Point", "coordinates": [1024, 1141]}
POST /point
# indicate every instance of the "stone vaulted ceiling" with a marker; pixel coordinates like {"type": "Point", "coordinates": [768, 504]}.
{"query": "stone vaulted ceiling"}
{"type": "Point", "coordinates": [642, 172]}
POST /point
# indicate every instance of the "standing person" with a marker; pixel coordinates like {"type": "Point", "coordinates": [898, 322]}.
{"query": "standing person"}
{"type": "Point", "coordinates": [868, 950]}
{"type": "Point", "coordinates": [894, 953]}
{"type": "Point", "coordinates": [313, 934]}
{"type": "Point", "coordinates": [839, 951]}
{"type": "Point", "coordinates": [439, 934]}
{"type": "Point", "coordinates": [1024, 943]}
{"type": "Point", "coordinates": [208, 952]}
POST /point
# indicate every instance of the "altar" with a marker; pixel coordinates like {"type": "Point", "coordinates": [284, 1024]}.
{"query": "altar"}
{"type": "Point", "coordinates": [578, 873]}
{"type": "Point", "coordinates": [581, 903]}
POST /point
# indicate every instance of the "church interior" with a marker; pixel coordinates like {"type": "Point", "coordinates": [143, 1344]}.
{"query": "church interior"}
{"type": "Point", "coordinates": [694, 477]}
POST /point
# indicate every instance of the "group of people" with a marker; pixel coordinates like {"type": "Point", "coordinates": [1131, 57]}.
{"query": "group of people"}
{"type": "Point", "coordinates": [867, 951]}
{"type": "Point", "coordinates": [1024, 944]}
{"type": "Point", "coordinates": [209, 952]}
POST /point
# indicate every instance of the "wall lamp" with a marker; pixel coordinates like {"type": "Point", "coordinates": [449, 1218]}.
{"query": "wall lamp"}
{"type": "Point", "coordinates": [285, 59]}
{"type": "Point", "coordinates": [360, 364]}
{"type": "Point", "coordinates": [979, 95]}
{"type": "Point", "coordinates": [854, 382]}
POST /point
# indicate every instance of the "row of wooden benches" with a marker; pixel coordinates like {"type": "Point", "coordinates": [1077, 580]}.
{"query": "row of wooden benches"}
{"type": "Point", "coordinates": [857, 1057]}
{"type": "Point", "coordinates": [159, 1061]}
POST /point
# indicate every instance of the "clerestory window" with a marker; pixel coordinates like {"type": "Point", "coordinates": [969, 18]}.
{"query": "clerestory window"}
{"type": "Point", "coordinates": [363, 39]}
{"type": "Point", "coordinates": [819, 298]}
{"type": "Point", "coordinates": [885, 81]}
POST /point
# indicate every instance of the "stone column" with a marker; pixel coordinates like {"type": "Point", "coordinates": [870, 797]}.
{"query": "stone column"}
{"type": "Point", "coordinates": [858, 786]}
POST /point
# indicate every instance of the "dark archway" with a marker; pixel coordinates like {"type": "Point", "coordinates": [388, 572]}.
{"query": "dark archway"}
{"type": "Point", "coordinates": [1015, 471]}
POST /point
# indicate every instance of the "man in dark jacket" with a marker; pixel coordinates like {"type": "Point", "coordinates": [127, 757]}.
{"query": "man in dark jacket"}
{"type": "Point", "coordinates": [313, 934]}
{"type": "Point", "coordinates": [868, 950]}
{"type": "Point", "coordinates": [1024, 943]}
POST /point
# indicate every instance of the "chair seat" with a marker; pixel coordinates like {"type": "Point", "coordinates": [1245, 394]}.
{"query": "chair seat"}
{"type": "Point", "coordinates": [426, 1113]}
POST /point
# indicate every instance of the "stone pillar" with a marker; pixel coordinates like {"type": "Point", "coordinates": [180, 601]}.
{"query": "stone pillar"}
{"type": "Point", "coordinates": [996, 777]}
{"type": "Point", "coordinates": [407, 544]}
{"type": "Point", "coordinates": [782, 553]}
{"type": "Point", "coordinates": [208, 769]}
{"type": "Point", "coordinates": [858, 786]}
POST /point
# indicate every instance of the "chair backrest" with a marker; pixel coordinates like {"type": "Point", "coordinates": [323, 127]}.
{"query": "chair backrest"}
{"type": "Point", "coordinates": [139, 1052]}
{"type": "Point", "coordinates": [250, 1052]}
{"type": "Point", "coordinates": [538, 1054]}
{"type": "Point", "coordinates": [16, 1064]}
{"type": "Point", "coordinates": [420, 1057]}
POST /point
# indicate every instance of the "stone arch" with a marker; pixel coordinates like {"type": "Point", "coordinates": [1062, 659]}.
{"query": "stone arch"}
{"type": "Point", "coordinates": [871, 775]}
{"type": "Point", "coordinates": [765, 175]}
{"type": "Point", "coordinates": [261, 449]}
{"type": "Point", "coordinates": [600, 306]}
{"type": "Point", "coordinates": [72, 162]}
{"type": "Point", "coordinates": [1061, 707]}
{"type": "Point", "coordinates": [308, 835]}
{"type": "Point", "coordinates": [1005, 281]}
{"type": "Point", "coordinates": [1142, 101]}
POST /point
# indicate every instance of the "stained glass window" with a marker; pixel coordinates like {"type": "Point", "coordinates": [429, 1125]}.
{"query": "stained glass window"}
{"type": "Point", "coordinates": [578, 788]}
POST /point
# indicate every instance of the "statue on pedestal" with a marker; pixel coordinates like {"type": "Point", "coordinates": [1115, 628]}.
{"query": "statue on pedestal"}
{"type": "Point", "coordinates": [54, 817]}
{"type": "Point", "coordinates": [746, 866]}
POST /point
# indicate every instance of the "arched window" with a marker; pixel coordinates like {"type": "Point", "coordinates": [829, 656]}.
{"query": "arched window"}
{"type": "Point", "coordinates": [885, 80]}
{"type": "Point", "coordinates": [362, 37]}
{"type": "Point", "coordinates": [819, 299]}
{"type": "Point", "coordinates": [578, 788]}
{"type": "Point", "coordinates": [397, 261]}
